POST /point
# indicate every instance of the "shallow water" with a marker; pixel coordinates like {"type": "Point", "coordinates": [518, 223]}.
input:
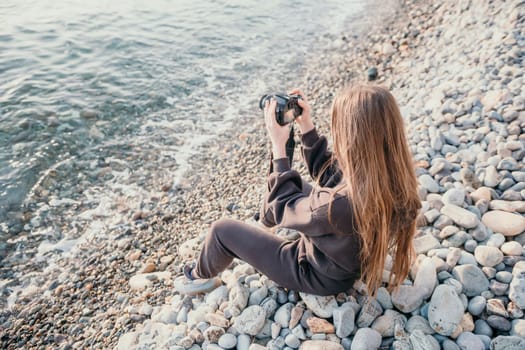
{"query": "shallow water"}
{"type": "Point", "coordinates": [103, 102]}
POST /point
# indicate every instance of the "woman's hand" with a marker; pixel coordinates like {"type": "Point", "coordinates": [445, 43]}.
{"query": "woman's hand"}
{"type": "Point", "coordinates": [304, 120]}
{"type": "Point", "coordinates": [278, 134]}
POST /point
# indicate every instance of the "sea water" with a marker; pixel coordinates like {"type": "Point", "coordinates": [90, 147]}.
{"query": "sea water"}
{"type": "Point", "coordinates": [135, 87]}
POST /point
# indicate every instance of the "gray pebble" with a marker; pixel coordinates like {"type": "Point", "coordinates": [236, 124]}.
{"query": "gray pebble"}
{"type": "Point", "coordinates": [499, 323]}
{"type": "Point", "coordinates": [476, 305]}
{"type": "Point", "coordinates": [292, 341]}
{"type": "Point", "coordinates": [472, 278]}
{"type": "Point", "coordinates": [481, 327]}
{"type": "Point", "coordinates": [449, 345]}
{"type": "Point", "coordinates": [365, 339]}
{"type": "Point", "coordinates": [468, 340]}
{"type": "Point", "coordinates": [228, 341]}
{"type": "Point", "coordinates": [470, 245]}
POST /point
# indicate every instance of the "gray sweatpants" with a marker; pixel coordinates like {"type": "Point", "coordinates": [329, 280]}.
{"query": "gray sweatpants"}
{"type": "Point", "coordinates": [273, 256]}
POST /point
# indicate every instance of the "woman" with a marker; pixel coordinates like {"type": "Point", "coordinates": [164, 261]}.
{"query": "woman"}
{"type": "Point", "coordinates": [363, 207]}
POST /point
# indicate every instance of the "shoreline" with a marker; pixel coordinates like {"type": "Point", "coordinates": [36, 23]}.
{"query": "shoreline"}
{"type": "Point", "coordinates": [86, 299]}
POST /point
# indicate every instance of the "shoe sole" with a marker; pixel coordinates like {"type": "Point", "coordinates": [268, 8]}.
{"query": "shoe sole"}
{"type": "Point", "coordinates": [193, 287]}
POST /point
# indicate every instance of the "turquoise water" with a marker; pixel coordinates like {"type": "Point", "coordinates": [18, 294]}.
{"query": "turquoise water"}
{"type": "Point", "coordinates": [134, 87]}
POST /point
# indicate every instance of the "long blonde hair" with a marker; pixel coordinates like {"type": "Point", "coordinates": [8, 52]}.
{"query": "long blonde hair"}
{"type": "Point", "coordinates": [372, 152]}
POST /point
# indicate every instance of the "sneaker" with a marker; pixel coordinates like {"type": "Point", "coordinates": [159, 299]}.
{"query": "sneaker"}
{"type": "Point", "coordinates": [188, 285]}
{"type": "Point", "coordinates": [188, 269]}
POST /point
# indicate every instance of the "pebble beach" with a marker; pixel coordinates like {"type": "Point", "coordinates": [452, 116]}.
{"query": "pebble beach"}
{"type": "Point", "coordinates": [456, 69]}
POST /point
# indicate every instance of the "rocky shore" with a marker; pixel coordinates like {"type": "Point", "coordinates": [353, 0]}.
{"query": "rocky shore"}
{"type": "Point", "coordinates": [456, 68]}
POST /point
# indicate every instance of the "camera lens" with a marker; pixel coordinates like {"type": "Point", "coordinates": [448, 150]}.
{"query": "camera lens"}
{"type": "Point", "coordinates": [263, 100]}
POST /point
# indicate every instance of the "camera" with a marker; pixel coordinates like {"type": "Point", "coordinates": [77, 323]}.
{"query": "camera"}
{"type": "Point", "coordinates": [287, 108]}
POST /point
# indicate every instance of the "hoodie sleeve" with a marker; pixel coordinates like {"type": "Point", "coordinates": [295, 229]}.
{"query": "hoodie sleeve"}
{"type": "Point", "coordinates": [319, 160]}
{"type": "Point", "coordinates": [286, 204]}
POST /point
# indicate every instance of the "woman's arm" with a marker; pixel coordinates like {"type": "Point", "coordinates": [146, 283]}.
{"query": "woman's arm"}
{"type": "Point", "coordinates": [315, 148]}
{"type": "Point", "coordinates": [287, 204]}
{"type": "Point", "coordinates": [321, 166]}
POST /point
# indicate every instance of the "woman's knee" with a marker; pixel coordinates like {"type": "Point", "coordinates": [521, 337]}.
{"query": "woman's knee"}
{"type": "Point", "coordinates": [221, 227]}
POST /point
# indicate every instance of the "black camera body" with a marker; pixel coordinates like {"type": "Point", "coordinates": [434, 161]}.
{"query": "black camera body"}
{"type": "Point", "coordinates": [286, 109]}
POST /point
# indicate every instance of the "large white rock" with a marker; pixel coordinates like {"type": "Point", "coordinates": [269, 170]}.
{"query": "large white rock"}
{"type": "Point", "coordinates": [445, 310]}
{"type": "Point", "coordinates": [488, 256]}
{"type": "Point", "coordinates": [322, 306]}
{"type": "Point", "coordinates": [251, 320]}
{"type": "Point", "coordinates": [460, 216]}
{"type": "Point", "coordinates": [508, 224]}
